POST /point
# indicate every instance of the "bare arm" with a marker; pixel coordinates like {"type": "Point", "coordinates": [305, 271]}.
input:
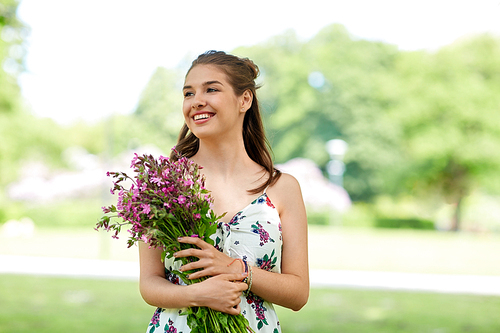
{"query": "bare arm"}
{"type": "Point", "coordinates": [290, 288]}
{"type": "Point", "coordinates": [218, 292]}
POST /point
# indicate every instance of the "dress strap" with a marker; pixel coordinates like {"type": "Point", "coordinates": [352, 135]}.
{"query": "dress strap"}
{"type": "Point", "coordinates": [265, 190]}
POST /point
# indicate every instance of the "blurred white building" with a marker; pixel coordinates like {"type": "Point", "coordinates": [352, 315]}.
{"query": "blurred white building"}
{"type": "Point", "coordinates": [318, 192]}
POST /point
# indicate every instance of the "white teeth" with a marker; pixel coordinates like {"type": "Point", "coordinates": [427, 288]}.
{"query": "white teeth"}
{"type": "Point", "coordinates": [201, 116]}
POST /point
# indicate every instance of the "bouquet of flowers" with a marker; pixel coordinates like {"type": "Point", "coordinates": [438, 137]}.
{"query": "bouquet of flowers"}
{"type": "Point", "coordinates": [167, 199]}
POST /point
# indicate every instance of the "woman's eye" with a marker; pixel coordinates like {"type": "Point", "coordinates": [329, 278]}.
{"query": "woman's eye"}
{"type": "Point", "coordinates": [188, 93]}
{"type": "Point", "coordinates": [211, 90]}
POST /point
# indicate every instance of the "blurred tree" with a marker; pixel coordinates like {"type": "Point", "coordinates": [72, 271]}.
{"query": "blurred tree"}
{"type": "Point", "coordinates": [449, 112]}
{"type": "Point", "coordinates": [12, 35]}
{"type": "Point", "coordinates": [331, 87]}
{"type": "Point", "coordinates": [418, 121]}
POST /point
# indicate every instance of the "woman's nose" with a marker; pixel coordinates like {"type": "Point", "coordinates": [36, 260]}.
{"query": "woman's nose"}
{"type": "Point", "coordinates": [198, 103]}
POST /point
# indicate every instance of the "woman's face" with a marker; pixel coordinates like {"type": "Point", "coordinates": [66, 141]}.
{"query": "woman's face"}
{"type": "Point", "coordinates": [210, 105]}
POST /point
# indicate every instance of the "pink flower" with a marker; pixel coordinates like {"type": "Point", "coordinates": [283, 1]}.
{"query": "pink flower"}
{"type": "Point", "coordinates": [145, 208]}
{"type": "Point", "coordinates": [134, 160]}
{"type": "Point", "coordinates": [181, 199]}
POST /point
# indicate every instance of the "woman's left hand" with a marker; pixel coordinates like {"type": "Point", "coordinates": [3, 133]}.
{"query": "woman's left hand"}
{"type": "Point", "coordinates": [211, 261]}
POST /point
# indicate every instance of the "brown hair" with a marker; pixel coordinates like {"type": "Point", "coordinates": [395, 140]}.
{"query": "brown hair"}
{"type": "Point", "coordinates": [241, 74]}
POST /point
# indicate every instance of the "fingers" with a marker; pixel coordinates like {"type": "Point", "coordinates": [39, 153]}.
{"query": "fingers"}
{"type": "Point", "coordinates": [234, 310]}
{"type": "Point", "coordinates": [236, 278]}
{"type": "Point", "coordinates": [195, 241]}
{"type": "Point", "coordinates": [221, 293]}
{"type": "Point", "coordinates": [235, 288]}
{"type": "Point", "coordinates": [189, 253]}
{"type": "Point", "coordinates": [203, 251]}
{"type": "Point", "coordinates": [211, 261]}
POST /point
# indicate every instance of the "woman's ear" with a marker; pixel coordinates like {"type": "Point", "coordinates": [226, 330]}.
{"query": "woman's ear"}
{"type": "Point", "coordinates": [246, 100]}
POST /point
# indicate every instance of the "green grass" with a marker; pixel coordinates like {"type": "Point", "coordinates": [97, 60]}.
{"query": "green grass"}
{"type": "Point", "coordinates": [48, 304]}
{"type": "Point", "coordinates": [360, 311]}
{"type": "Point", "coordinates": [45, 304]}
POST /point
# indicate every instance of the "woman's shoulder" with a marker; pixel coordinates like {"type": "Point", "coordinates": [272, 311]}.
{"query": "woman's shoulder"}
{"type": "Point", "coordinates": [286, 191]}
{"type": "Point", "coordinates": [286, 182]}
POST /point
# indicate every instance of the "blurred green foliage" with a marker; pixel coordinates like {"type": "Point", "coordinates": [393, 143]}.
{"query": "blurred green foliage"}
{"type": "Point", "coordinates": [12, 33]}
{"type": "Point", "coordinates": [419, 124]}
{"type": "Point", "coordinates": [411, 223]}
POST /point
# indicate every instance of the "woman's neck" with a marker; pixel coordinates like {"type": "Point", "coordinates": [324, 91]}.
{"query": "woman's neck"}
{"type": "Point", "coordinates": [223, 157]}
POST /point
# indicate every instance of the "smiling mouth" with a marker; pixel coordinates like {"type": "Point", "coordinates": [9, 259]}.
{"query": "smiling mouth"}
{"type": "Point", "coordinates": [202, 116]}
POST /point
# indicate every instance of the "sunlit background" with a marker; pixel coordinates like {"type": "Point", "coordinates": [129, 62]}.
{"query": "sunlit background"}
{"type": "Point", "coordinates": [387, 112]}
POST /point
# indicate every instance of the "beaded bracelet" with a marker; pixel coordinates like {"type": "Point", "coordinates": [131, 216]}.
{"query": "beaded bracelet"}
{"type": "Point", "coordinates": [249, 280]}
{"type": "Point", "coordinates": [249, 275]}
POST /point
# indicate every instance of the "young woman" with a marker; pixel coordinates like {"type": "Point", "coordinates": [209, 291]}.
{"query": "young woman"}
{"type": "Point", "coordinates": [265, 223]}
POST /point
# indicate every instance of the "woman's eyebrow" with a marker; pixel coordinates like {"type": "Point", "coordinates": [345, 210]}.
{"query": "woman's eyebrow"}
{"type": "Point", "coordinates": [212, 82]}
{"type": "Point", "coordinates": [204, 84]}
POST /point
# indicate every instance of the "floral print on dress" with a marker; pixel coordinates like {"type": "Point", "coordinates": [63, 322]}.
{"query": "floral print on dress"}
{"type": "Point", "coordinates": [263, 199]}
{"type": "Point", "coordinates": [254, 235]}
{"type": "Point", "coordinates": [264, 235]}
{"type": "Point", "coordinates": [236, 218]}
{"type": "Point", "coordinates": [257, 305]}
{"type": "Point", "coordinates": [169, 327]}
{"type": "Point", "coordinates": [267, 262]}
{"type": "Point", "coordinates": [172, 277]}
{"type": "Point", "coordinates": [155, 321]}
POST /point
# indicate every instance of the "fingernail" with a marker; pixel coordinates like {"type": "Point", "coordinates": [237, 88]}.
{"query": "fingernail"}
{"type": "Point", "coordinates": [179, 238]}
{"type": "Point", "coordinates": [175, 254]}
{"type": "Point", "coordinates": [187, 276]}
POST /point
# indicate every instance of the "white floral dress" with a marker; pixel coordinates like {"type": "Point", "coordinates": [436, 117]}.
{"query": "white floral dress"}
{"type": "Point", "coordinates": [253, 234]}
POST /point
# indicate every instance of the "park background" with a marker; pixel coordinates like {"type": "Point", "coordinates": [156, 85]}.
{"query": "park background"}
{"type": "Point", "coordinates": [84, 85]}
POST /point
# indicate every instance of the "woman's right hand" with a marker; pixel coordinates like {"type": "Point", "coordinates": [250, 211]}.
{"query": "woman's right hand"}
{"type": "Point", "coordinates": [221, 292]}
